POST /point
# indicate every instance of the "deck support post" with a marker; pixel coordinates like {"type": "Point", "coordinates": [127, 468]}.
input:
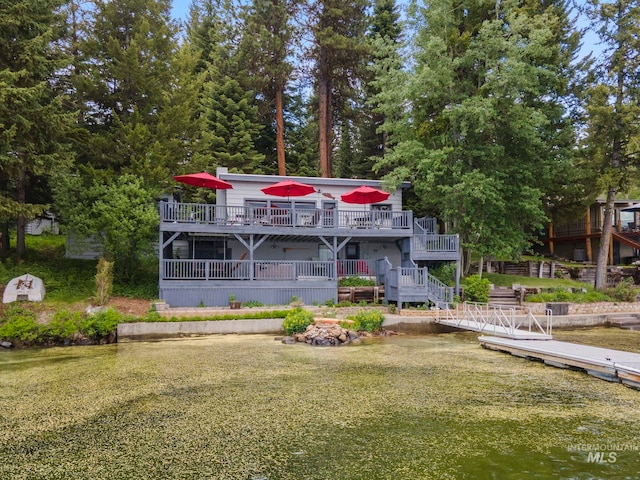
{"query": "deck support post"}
{"type": "Point", "coordinates": [588, 235]}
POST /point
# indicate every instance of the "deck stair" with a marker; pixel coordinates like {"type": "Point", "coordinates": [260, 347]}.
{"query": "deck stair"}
{"type": "Point", "coordinates": [497, 320]}
{"type": "Point", "coordinates": [503, 296]}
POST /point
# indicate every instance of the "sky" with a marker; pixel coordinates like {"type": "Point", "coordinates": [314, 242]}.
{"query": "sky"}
{"type": "Point", "coordinates": [180, 11]}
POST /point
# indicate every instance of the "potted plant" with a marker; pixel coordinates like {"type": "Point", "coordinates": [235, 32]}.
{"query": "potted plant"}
{"type": "Point", "coordinates": [233, 303]}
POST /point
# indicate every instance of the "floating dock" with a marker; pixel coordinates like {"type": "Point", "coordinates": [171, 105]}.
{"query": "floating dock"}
{"type": "Point", "coordinates": [603, 363]}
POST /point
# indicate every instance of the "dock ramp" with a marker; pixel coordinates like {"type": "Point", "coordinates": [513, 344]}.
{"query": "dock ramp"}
{"type": "Point", "coordinates": [505, 321]}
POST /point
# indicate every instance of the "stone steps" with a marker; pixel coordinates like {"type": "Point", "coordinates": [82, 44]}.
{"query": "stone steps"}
{"type": "Point", "coordinates": [624, 321]}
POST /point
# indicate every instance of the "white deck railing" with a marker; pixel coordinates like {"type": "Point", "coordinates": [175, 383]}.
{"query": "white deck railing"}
{"type": "Point", "coordinates": [247, 270]}
{"type": "Point", "coordinates": [285, 217]}
{"type": "Point", "coordinates": [435, 243]}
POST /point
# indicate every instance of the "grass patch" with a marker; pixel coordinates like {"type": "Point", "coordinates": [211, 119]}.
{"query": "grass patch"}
{"type": "Point", "coordinates": [501, 280]}
{"type": "Point", "coordinates": [68, 280]}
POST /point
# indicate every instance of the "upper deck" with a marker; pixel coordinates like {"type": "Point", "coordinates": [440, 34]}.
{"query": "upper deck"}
{"type": "Point", "coordinates": [225, 219]}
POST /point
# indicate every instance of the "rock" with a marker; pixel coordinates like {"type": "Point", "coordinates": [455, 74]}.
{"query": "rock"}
{"type": "Point", "coordinates": [343, 337]}
{"type": "Point", "coordinates": [288, 340]}
{"type": "Point", "coordinates": [6, 344]}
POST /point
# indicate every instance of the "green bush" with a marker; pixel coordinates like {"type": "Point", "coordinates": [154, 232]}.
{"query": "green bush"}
{"type": "Point", "coordinates": [625, 291]}
{"type": "Point", "coordinates": [62, 326]}
{"type": "Point", "coordinates": [476, 289]}
{"type": "Point", "coordinates": [368, 320]}
{"type": "Point", "coordinates": [446, 273]}
{"type": "Point", "coordinates": [297, 321]}
{"type": "Point", "coordinates": [104, 281]}
{"type": "Point", "coordinates": [100, 324]}
{"type": "Point", "coordinates": [356, 282]}
{"type": "Point", "coordinates": [20, 325]}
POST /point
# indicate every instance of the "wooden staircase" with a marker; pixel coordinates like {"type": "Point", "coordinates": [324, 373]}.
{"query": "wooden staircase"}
{"type": "Point", "coordinates": [503, 296]}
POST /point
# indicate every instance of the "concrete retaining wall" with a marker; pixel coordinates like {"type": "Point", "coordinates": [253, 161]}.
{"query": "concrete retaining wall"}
{"type": "Point", "coordinates": [407, 321]}
{"type": "Point", "coordinates": [140, 331]}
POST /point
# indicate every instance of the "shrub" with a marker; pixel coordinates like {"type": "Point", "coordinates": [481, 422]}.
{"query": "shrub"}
{"type": "Point", "coordinates": [62, 326]}
{"type": "Point", "coordinates": [297, 321]}
{"type": "Point", "coordinates": [625, 291]}
{"type": "Point", "coordinates": [476, 289]}
{"type": "Point", "coordinates": [100, 324]}
{"type": "Point", "coordinates": [446, 273]}
{"type": "Point", "coordinates": [21, 325]}
{"type": "Point", "coordinates": [369, 320]}
{"type": "Point", "coordinates": [104, 281]}
{"type": "Point", "coordinates": [252, 303]}
{"type": "Point", "coordinates": [356, 282]}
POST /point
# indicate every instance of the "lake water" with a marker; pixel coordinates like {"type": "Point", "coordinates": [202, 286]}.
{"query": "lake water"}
{"type": "Point", "coordinates": [249, 407]}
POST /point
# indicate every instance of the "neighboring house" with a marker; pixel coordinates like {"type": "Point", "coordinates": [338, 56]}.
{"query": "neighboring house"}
{"type": "Point", "coordinates": [579, 240]}
{"type": "Point", "coordinates": [268, 249]}
{"type": "Point", "coordinates": [45, 223]}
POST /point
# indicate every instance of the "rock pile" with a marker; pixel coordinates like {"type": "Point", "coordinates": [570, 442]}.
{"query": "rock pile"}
{"type": "Point", "coordinates": [325, 334]}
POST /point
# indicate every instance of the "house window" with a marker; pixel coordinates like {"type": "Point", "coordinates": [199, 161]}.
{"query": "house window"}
{"type": "Point", "coordinates": [381, 207]}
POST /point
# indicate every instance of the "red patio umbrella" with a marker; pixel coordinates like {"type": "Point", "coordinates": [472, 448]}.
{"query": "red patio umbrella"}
{"type": "Point", "coordinates": [365, 195]}
{"type": "Point", "coordinates": [203, 179]}
{"type": "Point", "coordinates": [289, 188]}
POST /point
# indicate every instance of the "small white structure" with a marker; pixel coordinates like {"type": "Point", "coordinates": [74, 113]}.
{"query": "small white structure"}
{"type": "Point", "coordinates": [26, 287]}
{"type": "Point", "coordinates": [43, 224]}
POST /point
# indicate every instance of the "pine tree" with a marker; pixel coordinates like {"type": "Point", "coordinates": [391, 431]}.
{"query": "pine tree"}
{"type": "Point", "coordinates": [127, 80]}
{"type": "Point", "coordinates": [34, 119]}
{"type": "Point", "coordinates": [613, 107]}
{"type": "Point", "coordinates": [226, 107]}
{"type": "Point", "coordinates": [266, 49]}
{"type": "Point", "coordinates": [385, 36]}
{"type": "Point", "coordinates": [339, 45]}
{"type": "Point", "coordinates": [483, 127]}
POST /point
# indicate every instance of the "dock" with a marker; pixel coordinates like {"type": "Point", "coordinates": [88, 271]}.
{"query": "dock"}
{"type": "Point", "coordinates": [604, 363]}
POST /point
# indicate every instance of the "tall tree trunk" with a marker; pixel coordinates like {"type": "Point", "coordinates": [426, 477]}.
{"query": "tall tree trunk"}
{"type": "Point", "coordinates": [5, 244]}
{"type": "Point", "coordinates": [282, 166]}
{"type": "Point", "coordinates": [605, 239]}
{"type": "Point", "coordinates": [616, 157]}
{"type": "Point", "coordinates": [21, 197]}
{"type": "Point", "coordinates": [323, 98]}
{"type": "Point", "coordinates": [329, 128]}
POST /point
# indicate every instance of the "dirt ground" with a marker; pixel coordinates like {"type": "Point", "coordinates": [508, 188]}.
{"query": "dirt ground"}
{"type": "Point", "coordinates": [133, 306]}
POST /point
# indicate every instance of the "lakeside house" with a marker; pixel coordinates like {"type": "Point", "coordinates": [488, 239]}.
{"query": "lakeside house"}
{"type": "Point", "coordinates": [579, 239]}
{"type": "Point", "coordinates": [271, 249]}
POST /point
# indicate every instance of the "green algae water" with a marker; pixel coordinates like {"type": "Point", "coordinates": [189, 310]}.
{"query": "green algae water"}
{"type": "Point", "coordinates": [251, 408]}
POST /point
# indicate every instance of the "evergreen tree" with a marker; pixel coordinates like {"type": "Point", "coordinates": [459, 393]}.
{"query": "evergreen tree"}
{"type": "Point", "coordinates": [613, 106]}
{"type": "Point", "coordinates": [482, 126]}
{"type": "Point", "coordinates": [385, 36]}
{"type": "Point", "coordinates": [339, 45]}
{"type": "Point", "coordinates": [34, 118]}
{"type": "Point", "coordinates": [227, 107]}
{"type": "Point", "coordinates": [127, 80]}
{"type": "Point", "coordinates": [265, 51]}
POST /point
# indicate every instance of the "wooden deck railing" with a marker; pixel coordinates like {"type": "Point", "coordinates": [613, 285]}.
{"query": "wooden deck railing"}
{"type": "Point", "coordinates": [362, 267]}
{"type": "Point", "coordinates": [575, 228]}
{"type": "Point", "coordinates": [247, 270]}
{"type": "Point", "coordinates": [418, 281]}
{"type": "Point", "coordinates": [171, 212]}
{"type": "Point", "coordinates": [435, 243]}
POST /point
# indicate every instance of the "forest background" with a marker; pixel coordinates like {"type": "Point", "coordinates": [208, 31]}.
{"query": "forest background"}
{"type": "Point", "coordinates": [488, 108]}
